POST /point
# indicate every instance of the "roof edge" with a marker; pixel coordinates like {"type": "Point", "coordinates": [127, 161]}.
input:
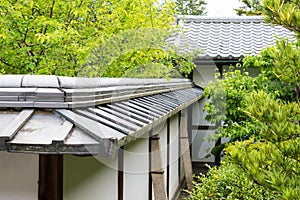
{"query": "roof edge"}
{"type": "Point", "coordinates": [197, 18]}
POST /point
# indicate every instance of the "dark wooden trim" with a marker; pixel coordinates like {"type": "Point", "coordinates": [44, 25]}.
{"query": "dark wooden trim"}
{"type": "Point", "coordinates": [50, 177]}
{"type": "Point", "coordinates": [179, 147]}
{"type": "Point", "coordinates": [215, 61]}
{"type": "Point", "coordinates": [189, 111]}
{"type": "Point", "coordinates": [204, 127]}
{"type": "Point", "coordinates": [218, 142]}
{"type": "Point", "coordinates": [121, 173]}
{"type": "Point", "coordinates": [220, 69]}
{"type": "Point", "coordinates": [150, 189]}
{"type": "Point", "coordinates": [168, 158]}
{"type": "Point", "coordinates": [218, 124]}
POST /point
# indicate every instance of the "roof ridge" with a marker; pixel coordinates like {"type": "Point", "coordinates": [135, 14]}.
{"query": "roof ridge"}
{"type": "Point", "coordinates": [53, 81]}
{"type": "Point", "coordinates": [42, 91]}
{"type": "Point", "coordinates": [197, 18]}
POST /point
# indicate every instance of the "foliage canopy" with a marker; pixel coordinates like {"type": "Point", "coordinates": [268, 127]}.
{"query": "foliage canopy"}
{"type": "Point", "coordinates": [64, 37]}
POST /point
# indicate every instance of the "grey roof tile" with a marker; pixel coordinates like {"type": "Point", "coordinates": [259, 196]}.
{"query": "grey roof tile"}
{"type": "Point", "coordinates": [6, 117]}
{"type": "Point", "coordinates": [42, 128]}
{"type": "Point", "coordinates": [9, 81]}
{"type": "Point", "coordinates": [49, 104]}
{"type": "Point", "coordinates": [78, 82]}
{"type": "Point", "coordinates": [17, 91]}
{"type": "Point", "coordinates": [79, 137]}
{"type": "Point", "coordinates": [96, 130]}
{"type": "Point", "coordinates": [50, 81]}
{"type": "Point", "coordinates": [16, 104]}
{"type": "Point", "coordinates": [227, 37]}
{"type": "Point", "coordinates": [12, 128]}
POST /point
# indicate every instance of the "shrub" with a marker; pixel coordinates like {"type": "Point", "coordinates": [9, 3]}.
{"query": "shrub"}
{"type": "Point", "coordinates": [228, 182]}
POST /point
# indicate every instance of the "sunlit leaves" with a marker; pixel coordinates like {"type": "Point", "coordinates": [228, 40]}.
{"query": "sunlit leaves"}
{"type": "Point", "coordinates": [61, 36]}
{"type": "Point", "coordinates": [228, 181]}
{"type": "Point", "coordinates": [286, 13]}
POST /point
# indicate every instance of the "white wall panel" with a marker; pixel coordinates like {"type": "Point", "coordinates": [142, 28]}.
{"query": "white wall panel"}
{"type": "Point", "coordinates": [200, 114]}
{"type": "Point", "coordinates": [201, 147]}
{"type": "Point", "coordinates": [136, 169]}
{"type": "Point", "coordinates": [204, 74]}
{"type": "Point", "coordinates": [88, 178]}
{"type": "Point", "coordinates": [174, 155]}
{"type": "Point", "coordinates": [19, 176]}
{"type": "Point", "coordinates": [197, 113]}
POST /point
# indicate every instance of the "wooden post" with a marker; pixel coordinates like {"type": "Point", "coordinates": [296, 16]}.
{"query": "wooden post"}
{"type": "Point", "coordinates": [218, 142]}
{"type": "Point", "coordinates": [50, 177]}
{"type": "Point", "coordinates": [185, 147]}
{"type": "Point", "coordinates": [157, 173]}
{"type": "Point", "coordinates": [121, 173]}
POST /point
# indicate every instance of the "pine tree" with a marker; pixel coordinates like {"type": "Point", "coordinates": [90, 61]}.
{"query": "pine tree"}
{"type": "Point", "coordinates": [250, 7]}
{"type": "Point", "coordinates": [190, 7]}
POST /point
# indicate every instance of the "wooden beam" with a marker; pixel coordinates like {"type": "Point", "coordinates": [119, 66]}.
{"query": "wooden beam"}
{"type": "Point", "coordinates": [185, 148]}
{"type": "Point", "coordinates": [157, 173]}
{"type": "Point", "coordinates": [50, 177]}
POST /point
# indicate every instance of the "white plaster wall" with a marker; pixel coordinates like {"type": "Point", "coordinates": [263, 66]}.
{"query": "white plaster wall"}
{"type": "Point", "coordinates": [136, 170]}
{"type": "Point", "coordinates": [19, 176]}
{"type": "Point", "coordinates": [174, 155]}
{"type": "Point", "coordinates": [203, 74]}
{"type": "Point", "coordinates": [202, 146]}
{"type": "Point", "coordinates": [89, 178]}
{"type": "Point", "coordinates": [199, 114]}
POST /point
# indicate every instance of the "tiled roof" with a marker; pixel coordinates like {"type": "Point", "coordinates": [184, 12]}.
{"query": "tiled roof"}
{"type": "Point", "coordinates": [227, 38]}
{"type": "Point", "coordinates": [50, 114]}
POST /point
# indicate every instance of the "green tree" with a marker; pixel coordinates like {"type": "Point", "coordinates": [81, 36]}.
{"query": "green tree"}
{"type": "Point", "coordinates": [250, 7]}
{"type": "Point", "coordinates": [190, 7]}
{"type": "Point", "coordinates": [273, 161]}
{"type": "Point", "coordinates": [63, 37]}
{"type": "Point", "coordinates": [268, 109]}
